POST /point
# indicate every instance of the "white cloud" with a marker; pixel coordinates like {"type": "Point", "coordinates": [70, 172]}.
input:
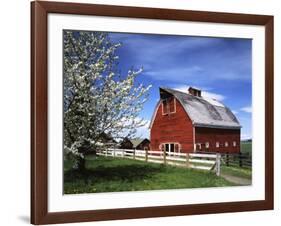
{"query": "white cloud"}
{"type": "Point", "coordinates": [247, 109]}
{"type": "Point", "coordinates": [215, 96]}
{"type": "Point", "coordinates": [234, 112]}
{"type": "Point", "coordinates": [181, 88]}
{"type": "Point", "coordinates": [207, 95]}
{"type": "Point", "coordinates": [245, 136]}
{"type": "Point", "coordinates": [182, 74]}
{"type": "Point", "coordinates": [143, 131]}
{"type": "Point", "coordinates": [186, 58]}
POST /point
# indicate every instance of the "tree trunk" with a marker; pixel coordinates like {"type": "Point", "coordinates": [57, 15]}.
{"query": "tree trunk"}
{"type": "Point", "coordinates": [81, 161]}
{"type": "Point", "coordinates": [81, 164]}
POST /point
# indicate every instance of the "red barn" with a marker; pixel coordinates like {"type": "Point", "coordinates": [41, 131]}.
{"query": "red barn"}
{"type": "Point", "coordinates": [189, 122]}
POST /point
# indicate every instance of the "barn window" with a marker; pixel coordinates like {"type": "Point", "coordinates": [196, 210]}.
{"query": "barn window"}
{"type": "Point", "coordinates": [172, 105]}
{"type": "Point", "coordinates": [164, 107]}
{"type": "Point", "coordinates": [226, 144]}
{"type": "Point", "coordinates": [177, 147]}
{"type": "Point", "coordinates": [207, 145]}
{"type": "Point", "coordinates": [217, 144]}
{"type": "Point", "coordinates": [170, 148]}
{"type": "Point", "coordinates": [168, 106]}
{"type": "Point", "coordinates": [234, 143]}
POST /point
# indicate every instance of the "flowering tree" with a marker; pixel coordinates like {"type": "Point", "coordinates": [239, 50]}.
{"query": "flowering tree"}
{"type": "Point", "coordinates": [97, 99]}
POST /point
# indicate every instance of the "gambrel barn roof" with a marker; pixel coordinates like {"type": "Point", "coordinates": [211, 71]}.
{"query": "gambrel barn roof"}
{"type": "Point", "coordinates": [203, 112]}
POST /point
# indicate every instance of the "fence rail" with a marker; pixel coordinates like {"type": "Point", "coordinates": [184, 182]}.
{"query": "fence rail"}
{"type": "Point", "coordinates": [241, 160]}
{"type": "Point", "coordinates": [190, 160]}
{"type": "Point", "coordinates": [234, 159]}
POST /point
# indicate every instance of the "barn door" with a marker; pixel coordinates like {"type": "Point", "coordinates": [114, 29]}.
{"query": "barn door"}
{"type": "Point", "coordinates": [170, 148]}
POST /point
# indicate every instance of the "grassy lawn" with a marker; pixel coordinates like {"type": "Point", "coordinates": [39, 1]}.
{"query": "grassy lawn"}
{"type": "Point", "coordinates": [115, 174]}
{"type": "Point", "coordinates": [237, 171]}
{"type": "Point", "coordinates": [242, 172]}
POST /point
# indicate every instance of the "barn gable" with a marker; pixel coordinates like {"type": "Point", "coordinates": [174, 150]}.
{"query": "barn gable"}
{"type": "Point", "coordinates": [188, 122]}
{"type": "Point", "coordinates": [204, 112]}
{"type": "Point", "coordinates": [173, 129]}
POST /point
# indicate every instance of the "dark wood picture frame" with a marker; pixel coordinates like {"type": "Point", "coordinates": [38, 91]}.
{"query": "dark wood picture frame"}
{"type": "Point", "coordinates": [39, 111]}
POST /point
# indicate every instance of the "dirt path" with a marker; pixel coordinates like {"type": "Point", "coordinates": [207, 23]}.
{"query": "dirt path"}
{"type": "Point", "coordinates": [236, 180]}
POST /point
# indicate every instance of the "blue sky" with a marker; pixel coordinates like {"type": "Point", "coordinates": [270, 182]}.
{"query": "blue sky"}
{"type": "Point", "coordinates": [221, 67]}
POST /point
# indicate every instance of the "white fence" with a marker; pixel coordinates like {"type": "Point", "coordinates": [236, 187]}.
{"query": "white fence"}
{"type": "Point", "coordinates": [189, 160]}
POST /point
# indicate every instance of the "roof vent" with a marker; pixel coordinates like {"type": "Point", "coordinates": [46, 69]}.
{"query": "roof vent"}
{"type": "Point", "coordinates": [194, 92]}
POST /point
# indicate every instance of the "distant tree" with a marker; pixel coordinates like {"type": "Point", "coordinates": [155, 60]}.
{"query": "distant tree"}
{"type": "Point", "coordinates": [97, 99]}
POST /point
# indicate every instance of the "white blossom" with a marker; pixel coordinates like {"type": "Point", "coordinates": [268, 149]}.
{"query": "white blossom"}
{"type": "Point", "coordinates": [97, 99]}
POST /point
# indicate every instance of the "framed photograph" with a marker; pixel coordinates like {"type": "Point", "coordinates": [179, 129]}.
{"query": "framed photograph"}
{"type": "Point", "coordinates": [147, 112]}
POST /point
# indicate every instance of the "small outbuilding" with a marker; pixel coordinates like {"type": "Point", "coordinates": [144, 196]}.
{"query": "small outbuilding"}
{"type": "Point", "coordinates": [188, 122]}
{"type": "Point", "coordinates": [138, 143]}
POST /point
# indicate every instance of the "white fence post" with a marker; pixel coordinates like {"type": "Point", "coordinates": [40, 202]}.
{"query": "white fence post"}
{"type": "Point", "coordinates": [187, 160]}
{"type": "Point", "coordinates": [134, 154]}
{"type": "Point", "coordinates": [218, 164]}
{"type": "Point", "coordinates": [146, 155]}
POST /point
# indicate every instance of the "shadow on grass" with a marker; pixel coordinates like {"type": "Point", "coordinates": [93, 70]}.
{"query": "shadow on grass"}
{"type": "Point", "coordinates": [129, 173]}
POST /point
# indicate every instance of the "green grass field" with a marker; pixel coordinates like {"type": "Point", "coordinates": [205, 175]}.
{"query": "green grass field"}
{"type": "Point", "coordinates": [246, 147]}
{"type": "Point", "coordinates": [242, 172]}
{"type": "Point", "coordinates": [237, 171]}
{"type": "Point", "coordinates": [116, 174]}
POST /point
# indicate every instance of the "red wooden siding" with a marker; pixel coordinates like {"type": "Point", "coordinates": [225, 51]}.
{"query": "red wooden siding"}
{"type": "Point", "coordinates": [172, 128]}
{"type": "Point", "coordinates": [211, 135]}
